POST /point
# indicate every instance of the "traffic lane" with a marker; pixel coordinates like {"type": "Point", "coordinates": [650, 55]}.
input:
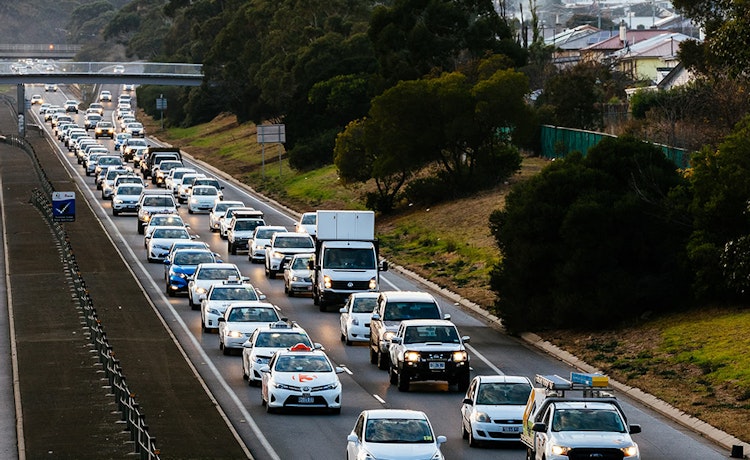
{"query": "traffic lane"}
{"type": "Point", "coordinates": [633, 418]}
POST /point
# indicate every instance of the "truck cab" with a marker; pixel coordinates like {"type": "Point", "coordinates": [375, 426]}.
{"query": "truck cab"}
{"type": "Point", "coordinates": [346, 256]}
{"type": "Point", "coordinates": [588, 424]}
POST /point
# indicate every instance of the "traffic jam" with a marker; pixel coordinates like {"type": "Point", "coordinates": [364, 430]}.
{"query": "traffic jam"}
{"type": "Point", "coordinates": [300, 325]}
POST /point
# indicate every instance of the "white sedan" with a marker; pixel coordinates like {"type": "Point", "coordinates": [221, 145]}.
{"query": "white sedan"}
{"type": "Point", "coordinates": [258, 350]}
{"type": "Point", "coordinates": [161, 240]}
{"type": "Point", "coordinates": [301, 377]}
{"type": "Point", "coordinates": [261, 237]}
{"type": "Point", "coordinates": [207, 274]}
{"type": "Point", "coordinates": [493, 408]}
{"type": "Point", "coordinates": [393, 433]}
{"type": "Point", "coordinates": [354, 323]}
{"type": "Point", "coordinates": [218, 211]}
{"type": "Point", "coordinates": [220, 296]}
{"type": "Point", "coordinates": [202, 198]}
{"type": "Point", "coordinates": [241, 319]}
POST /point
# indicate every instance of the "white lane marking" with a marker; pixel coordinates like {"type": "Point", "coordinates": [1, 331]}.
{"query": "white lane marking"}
{"type": "Point", "coordinates": [393, 286]}
{"type": "Point", "coordinates": [379, 399]}
{"type": "Point", "coordinates": [346, 369]}
{"type": "Point", "coordinates": [485, 360]}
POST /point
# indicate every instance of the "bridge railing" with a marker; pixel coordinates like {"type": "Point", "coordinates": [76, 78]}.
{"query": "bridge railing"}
{"type": "Point", "coordinates": [153, 68]}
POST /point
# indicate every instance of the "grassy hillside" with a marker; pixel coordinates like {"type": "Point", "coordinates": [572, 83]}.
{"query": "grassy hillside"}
{"type": "Point", "coordinates": [696, 361]}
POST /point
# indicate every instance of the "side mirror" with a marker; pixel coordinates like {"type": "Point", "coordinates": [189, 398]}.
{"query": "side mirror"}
{"type": "Point", "coordinates": [264, 368]}
{"type": "Point", "coordinates": [447, 316]}
{"type": "Point", "coordinates": [466, 339]}
{"type": "Point", "coordinates": [441, 439]}
{"type": "Point", "coordinates": [468, 401]}
{"type": "Point", "coordinates": [221, 319]}
{"type": "Point", "coordinates": [247, 344]}
{"type": "Point", "coordinates": [384, 266]}
{"type": "Point", "coordinates": [539, 427]}
{"type": "Point", "coordinates": [352, 438]}
{"type": "Point", "coordinates": [342, 310]}
{"type": "Point", "coordinates": [375, 317]}
{"type": "Point", "coordinates": [396, 340]}
{"type": "Point", "coordinates": [634, 429]}
{"type": "Point", "coordinates": [339, 370]}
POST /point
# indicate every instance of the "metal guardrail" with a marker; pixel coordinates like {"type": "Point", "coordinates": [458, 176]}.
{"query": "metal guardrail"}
{"type": "Point", "coordinates": [135, 421]}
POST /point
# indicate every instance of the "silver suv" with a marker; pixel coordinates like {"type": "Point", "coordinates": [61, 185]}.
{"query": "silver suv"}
{"type": "Point", "coordinates": [392, 308]}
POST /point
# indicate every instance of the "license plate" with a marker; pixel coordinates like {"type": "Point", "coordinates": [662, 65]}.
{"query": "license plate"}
{"type": "Point", "coordinates": [511, 429]}
{"type": "Point", "coordinates": [305, 400]}
{"type": "Point", "coordinates": [438, 365]}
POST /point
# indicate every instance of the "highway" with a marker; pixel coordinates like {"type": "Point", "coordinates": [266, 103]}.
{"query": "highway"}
{"type": "Point", "coordinates": [298, 435]}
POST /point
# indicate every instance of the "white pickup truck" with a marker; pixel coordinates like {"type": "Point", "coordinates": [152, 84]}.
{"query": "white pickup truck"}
{"type": "Point", "coordinates": [590, 425]}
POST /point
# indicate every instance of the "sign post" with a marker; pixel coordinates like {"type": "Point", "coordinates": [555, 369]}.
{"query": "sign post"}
{"type": "Point", "coordinates": [64, 206]}
{"type": "Point", "coordinates": [161, 105]}
{"type": "Point", "coordinates": [268, 134]}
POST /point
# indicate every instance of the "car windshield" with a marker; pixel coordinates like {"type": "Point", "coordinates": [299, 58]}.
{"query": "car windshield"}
{"type": "Point", "coordinates": [266, 233]}
{"type": "Point", "coordinates": [503, 394]}
{"type": "Point", "coordinates": [223, 206]}
{"type": "Point", "coordinates": [300, 263]}
{"type": "Point", "coordinates": [344, 258]}
{"type": "Point", "coordinates": [218, 273]}
{"type": "Point", "coordinates": [192, 258]}
{"type": "Point", "coordinates": [405, 431]}
{"type": "Point", "coordinates": [587, 420]}
{"type": "Point", "coordinates": [364, 304]}
{"type": "Point", "coordinates": [170, 233]}
{"type": "Point", "coordinates": [281, 339]}
{"type": "Point", "coordinates": [247, 224]}
{"type": "Point", "coordinates": [303, 363]}
{"type": "Point", "coordinates": [235, 293]}
{"type": "Point", "coordinates": [205, 191]}
{"type": "Point", "coordinates": [423, 334]}
{"type": "Point", "coordinates": [308, 219]}
{"type": "Point", "coordinates": [399, 311]}
{"type": "Point", "coordinates": [129, 190]}
{"type": "Point", "coordinates": [166, 220]}
{"type": "Point", "coordinates": [110, 161]}
{"type": "Point", "coordinates": [158, 201]}
{"type": "Point", "coordinates": [294, 242]}
{"type": "Point", "coordinates": [253, 315]}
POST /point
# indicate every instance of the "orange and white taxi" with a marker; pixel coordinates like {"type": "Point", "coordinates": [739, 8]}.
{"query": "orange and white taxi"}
{"type": "Point", "coordinates": [301, 377]}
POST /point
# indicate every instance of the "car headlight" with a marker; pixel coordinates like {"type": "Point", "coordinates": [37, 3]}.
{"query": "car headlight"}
{"type": "Point", "coordinates": [330, 386]}
{"type": "Point", "coordinates": [388, 335]}
{"type": "Point", "coordinates": [373, 283]}
{"type": "Point", "coordinates": [630, 451]}
{"type": "Point", "coordinates": [460, 356]}
{"type": "Point", "coordinates": [327, 282]}
{"type": "Point", "coordinates": [201, 290]}
{"type": "Point", "coordinates": [277, 255]}
{"type": "Point", "coordinates": [235, 334]}
{"type": "Point", "coordinates": [282, 386]}
{"type": "Point", "coordinates": [119, 201]}
{"type": "Point", "coordinates": [262, 360]}
{"type": "Point", "coordinates": [214, 311]}
{"type": "Point", "coordinates": [411, 356]}
{"type": "Point", "coordinates": [482, 417]}
{"type": "Point", "coordinates": [193, 201]}
{"type": "Point", "coordinates": [560, 450]}
{"type": "Point", "coordinates": [355, 322]}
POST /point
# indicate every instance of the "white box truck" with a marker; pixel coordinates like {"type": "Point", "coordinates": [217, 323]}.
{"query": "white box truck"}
{"type": "Point", "coordinates": [346, 256]}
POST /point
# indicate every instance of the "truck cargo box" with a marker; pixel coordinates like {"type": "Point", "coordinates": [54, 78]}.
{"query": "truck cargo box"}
{"type": "Point", "coordinates": [345, 225]}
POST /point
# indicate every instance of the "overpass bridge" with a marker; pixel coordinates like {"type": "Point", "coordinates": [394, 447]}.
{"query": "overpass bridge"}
{"type": "Point", "coordinates": [38, 51]}
{"type": "Point", "coordinates": [64, 72]}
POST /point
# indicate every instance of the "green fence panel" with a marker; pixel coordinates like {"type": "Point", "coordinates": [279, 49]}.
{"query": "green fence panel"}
{"type": "Point", "coordinates": [557, 142]}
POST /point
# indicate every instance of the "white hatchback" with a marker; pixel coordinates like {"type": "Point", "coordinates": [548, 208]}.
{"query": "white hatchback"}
{"type": "Point", "coordinates": [207, 274]}
{"type": "Point", "coordinates": [393, 433]}
{"type": "Point", "coordinates": [354, 323]}
{"type": "Point", "coordinates": [241, 319]}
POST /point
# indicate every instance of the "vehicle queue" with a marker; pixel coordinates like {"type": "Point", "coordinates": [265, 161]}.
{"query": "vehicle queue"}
{"type": "Point", "coordinates": [291, 375]}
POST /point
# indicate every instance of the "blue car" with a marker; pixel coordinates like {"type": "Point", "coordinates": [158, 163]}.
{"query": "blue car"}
{"type": "Point", "coordinates": [180, 266]}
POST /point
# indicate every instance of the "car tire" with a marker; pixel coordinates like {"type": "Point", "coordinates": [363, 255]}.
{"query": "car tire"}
{"type": "Point", "coordinates": [170, 292]}
{"type": "Point", "coordinates": [140, 228]}
{"type": "Point", "coordinates": [336, 411]}
{"type": "Point", "coordinates": [472, 442]}
{"type": "Point", "coordinates": [115, 212]}
{"type": "Point", "coordinates": [190, 211]}
{"type": "Point", "coordinates": [463, 382]}
{"type": "Point", "coordinates": [348, 342]}
{"type": "Point", "coordinates": [233, 249]}
{"type": "Point", "coordinates": [373, 356]}
{"type": "Point", "coordinates": [383, 361]}
{"type": "Point", "coordinates": [272, 274]}
{"type": "Point", "coordinates": [464, 433]}
{"type": "Point", "coordinates": [392, 376]}
{"type": "Point", "coordinates": [403, 382]}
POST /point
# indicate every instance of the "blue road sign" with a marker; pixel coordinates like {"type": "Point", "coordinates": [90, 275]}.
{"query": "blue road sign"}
{"type": "Point", "coordinates": [64, 206]}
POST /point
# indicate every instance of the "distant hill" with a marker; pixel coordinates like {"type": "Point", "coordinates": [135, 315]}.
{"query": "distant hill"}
{"type": "Point", "coordinates": [40, 21]}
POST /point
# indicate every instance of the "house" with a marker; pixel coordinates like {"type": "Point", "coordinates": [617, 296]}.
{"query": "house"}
{"type": "Point", "coordinates": [642, 60]}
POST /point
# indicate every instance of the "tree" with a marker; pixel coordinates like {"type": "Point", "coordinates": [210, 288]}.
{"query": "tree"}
{"type": "Point", "coordinates": [592, 242]}
{"type": "Point", "coordinates": [720, 182]}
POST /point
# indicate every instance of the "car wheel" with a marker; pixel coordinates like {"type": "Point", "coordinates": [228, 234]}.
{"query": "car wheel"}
{"type": "Point", "coordinates": [115, 212]}
{"type": "Point", "coordinates": [140, 228]}
{"type": "Point", "coordinates": [342, 337]}
{"type": "Point", "coordinates": [472, 442]}
{"type": "Point", "coordinates": [316, 298]}
{"type": "Point", "coordinates": [272, 274]}
{"type": "Point", "coordinates": [383, 361]}
{"type": "Point", "coordinates": [203, 325]}
{"type": "Point", "coordinates": [373, 356]}
{"type": "Point", "coordinates": [403, 381]}
{"type": "Point", "coordinates": [233, 249]}
{"type": "Point", "coordinates": [150, 259]}
{"type": "Point", "coordinates": [170, 292]}
{"type": "Point", "coordinates": [393, 376]}
{"type": "Point", "coordinates": [464, 433]}
{"type": "Point", "coordinates": [286, 289]}
{"type": "Point", "coordinates": [463, 382]}
{"type": "Point", "coordinates": [224, 349]}
{"type": "Point", "coordinates": [336, 411]}
{"type": "Point", "coordinates": [348, 342]}
{"type": "Point", "coordinates": [190, 211]}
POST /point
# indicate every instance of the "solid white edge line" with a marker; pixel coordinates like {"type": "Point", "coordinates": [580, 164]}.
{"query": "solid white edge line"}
{"type": "Point", "coordinates": [251, 422]}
